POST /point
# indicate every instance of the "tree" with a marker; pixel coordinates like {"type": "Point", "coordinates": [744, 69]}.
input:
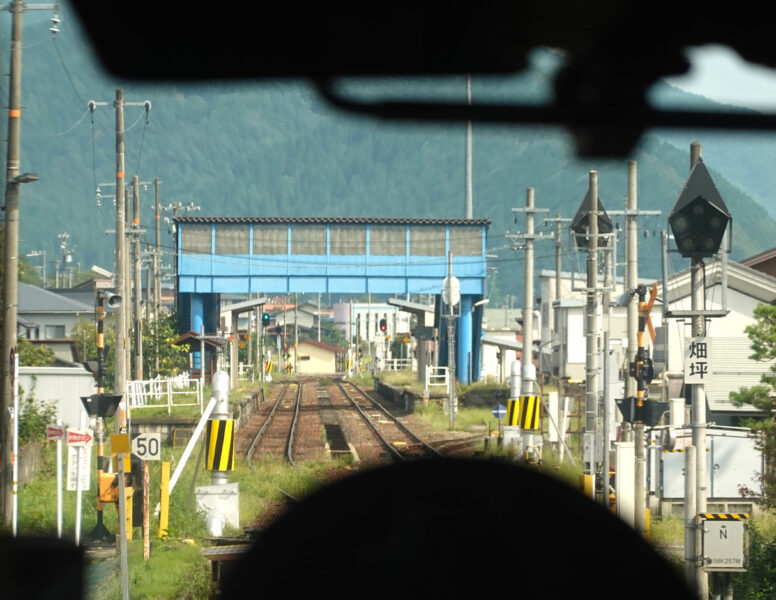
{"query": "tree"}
{"type": "Point", "coordinates": [329, 334]}
{"type": "Point", "coordinates": [33, 355]}
{"type": "Point", "coordinates": [158, 344]}
{"type": "Point", "coordinates": [762, 333]}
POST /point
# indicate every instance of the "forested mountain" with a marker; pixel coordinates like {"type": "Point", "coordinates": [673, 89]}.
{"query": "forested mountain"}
{"type": "Point", "coordinates": [276, 149]}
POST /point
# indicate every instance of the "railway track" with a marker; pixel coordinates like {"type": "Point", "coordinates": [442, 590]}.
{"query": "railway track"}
{"type": "Point", "coordinates": [276, 434]}
{"type": "Point", "coordinates": [399, 442]}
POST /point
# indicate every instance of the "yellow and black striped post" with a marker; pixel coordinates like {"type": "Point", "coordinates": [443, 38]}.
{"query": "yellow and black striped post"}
{"type": "Point", "coordinates": [528, 415]}
{"type": "Point", "coordinates": [513, 411]}
{"type": "Point", "coordinates": [220, 445]}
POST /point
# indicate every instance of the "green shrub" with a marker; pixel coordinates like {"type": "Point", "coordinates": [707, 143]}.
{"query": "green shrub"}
{"type": "Point", "coordinates": [759, 581]}
{"type": "Point", "coordinates": [34, 418]}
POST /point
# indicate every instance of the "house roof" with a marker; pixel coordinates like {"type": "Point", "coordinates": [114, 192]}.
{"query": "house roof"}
{"type": "Point", "coordinates": [337, 220]}
{"type": "Point", "coordinates": [760, 258]}
{"type": "Point", "coordinates": [740, 277]}
{"type": "Point", "coordinates": [318, 344]}
{"type": "Point", "coordinates": [33, 299]}
{"type": "Point", "coordinates": [193, 336]}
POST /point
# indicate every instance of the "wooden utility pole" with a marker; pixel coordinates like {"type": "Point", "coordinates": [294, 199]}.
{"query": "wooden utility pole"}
{"type": "Point", "coordinates": [11, 249]}
{"type": "Point", "coordinates": [120, 373]}
{"type": "Point", "coordinates": [10, 257]}
{"type": "Point", "coordinates": [121, 272]}
{"type": "Point", "coordinates": [138, 321]}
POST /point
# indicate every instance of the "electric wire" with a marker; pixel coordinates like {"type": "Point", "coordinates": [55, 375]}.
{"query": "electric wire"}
{"type": "Point", "coordinates": [142, 139]}
{"type": "Point", "coordinates": [67, 71]}
{"type": "Point", "coordinates": [51, 134]}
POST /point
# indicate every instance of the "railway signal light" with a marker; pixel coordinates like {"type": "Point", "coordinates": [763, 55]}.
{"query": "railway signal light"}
{"type": "Point", "coordinates": [383, 325]}
{"type": "Point", "coordinates": [699, 218]}
{"type": "Point", "coordinates": [265, 319]}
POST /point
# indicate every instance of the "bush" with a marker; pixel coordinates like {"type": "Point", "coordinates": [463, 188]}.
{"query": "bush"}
{"type": "Point", "coordinates": [759, 581]}
{"type": "Point", "coordinates": [34, 418]}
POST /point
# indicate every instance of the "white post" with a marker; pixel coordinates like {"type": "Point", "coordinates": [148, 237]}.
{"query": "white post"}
{"type": "Point", "coordinates": [78, 490]}
{"type": "Point", "coordinates": [15, 442]}
{"type": "Point", "coordinates": [59, 483]}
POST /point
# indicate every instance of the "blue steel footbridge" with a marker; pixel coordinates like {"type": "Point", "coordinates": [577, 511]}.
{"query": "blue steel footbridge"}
{"type": "Point", "coordinates": [335, 255]}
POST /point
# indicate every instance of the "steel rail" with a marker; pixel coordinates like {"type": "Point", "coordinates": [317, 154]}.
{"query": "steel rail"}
{"type": "Point", "coordinates": [398, 422]}
{"type": "Point", "coordinates": [290, 441]}
{"type": "Point", "coordinates": [406, 430]}
{"type": "Point", "coordinates": [267, 421]}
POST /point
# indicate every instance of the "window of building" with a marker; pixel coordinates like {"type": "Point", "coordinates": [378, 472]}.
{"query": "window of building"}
{"type": "Point", "coordinates": [466, 241]}
{"type": "Point", "coordinates": [347, 239]}
{"type": "Point", "coordinates": [427, 240]}
{"type": "Point", "coordinates": [55, 332]}
{"type": "Point", "coordinates": [270, 239]}
{"type": "Point", "coordinates": [233, 239]}
{"type": "Point", "coordinates": [308, 239]}
{"type": "Point", "coordinates": [195, 239]}
{"type": "Point", "coordinates": [388, 240]}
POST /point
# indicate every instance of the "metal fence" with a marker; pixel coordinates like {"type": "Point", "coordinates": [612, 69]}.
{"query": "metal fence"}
{"type": "Point", "coordinates": [399, 364]}
{"type": "Point", "coordinates": [170, 392]}
{"type": "Point", "coordinates": [437, 376]}
{"type": "Point", "coordinates": [245, 372]}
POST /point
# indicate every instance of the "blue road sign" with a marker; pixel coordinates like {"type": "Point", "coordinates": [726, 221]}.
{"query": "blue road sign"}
{"type": "Point", "coordinates": [500, 411]}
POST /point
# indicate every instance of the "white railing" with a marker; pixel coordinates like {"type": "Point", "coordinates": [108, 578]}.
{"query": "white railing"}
{"type": "Point", "coordinates": [170, 392]}
{"type": "Point", "coordinates": [399, 364]}
{"type": "Point", "coordinates": [436, 376]}
{"type": "Point", "coordinates": [245, 372]}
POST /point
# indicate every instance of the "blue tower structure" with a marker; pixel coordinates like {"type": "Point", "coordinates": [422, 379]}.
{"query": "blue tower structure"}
{"type": "Point", "coordinates": [338, 255]}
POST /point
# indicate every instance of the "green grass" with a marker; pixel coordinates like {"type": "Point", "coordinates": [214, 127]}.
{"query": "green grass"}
{"type": "Point", "coordinates": [175, 570]}
{"type": "Point", "coordinates": [474, 420]}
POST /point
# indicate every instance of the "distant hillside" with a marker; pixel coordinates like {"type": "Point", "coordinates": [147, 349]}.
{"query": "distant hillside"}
{"type": "Point", "coordinates": [277, 149]}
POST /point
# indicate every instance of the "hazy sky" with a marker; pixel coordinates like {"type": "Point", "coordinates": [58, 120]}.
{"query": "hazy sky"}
{"type": "Point", "coordinates": [721, 74]}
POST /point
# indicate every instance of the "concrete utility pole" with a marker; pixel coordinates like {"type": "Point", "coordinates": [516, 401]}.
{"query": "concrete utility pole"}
{"type": "Point", "coordinates": [631, 214]}
{"type": "Point", "coordinates": [558, 236]}
{"type": "Point", "coordinates": [120, 374]}
{"type": "Point", "coordinates": [592, 339]}
{"type": "Point", "coordinates": [639, 493]}
{"type": "Point", "coordinates": [296, 334]}
{"type": "Point", "coordinates": [11, 247]}
{"type": "Point", "coordinates": [528, 384]}
{"type": "Point", "coordinates": [697, 305]}
{"type": "Point", "coordinates": [451, 295]}
{"type": "Point", "coordinates": [149, 269]}
{"type": "Point", "coordinates": [632, 278]}
{"type": "Point", "coordinates": [120, 271]}
{"type": "Point", "coordinates": [157, 259]}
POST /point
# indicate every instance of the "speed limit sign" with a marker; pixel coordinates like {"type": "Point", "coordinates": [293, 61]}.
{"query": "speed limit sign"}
{"type": "Point", "coordinates": [147, 446]}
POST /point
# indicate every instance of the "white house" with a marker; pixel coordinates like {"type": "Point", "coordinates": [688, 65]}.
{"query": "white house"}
{"type": "Point", "coordinates": [730, 367]}
{"type": "Point", "coordinates": [566, 345]}
{"type": "Point", "coordinates": [729, 346]}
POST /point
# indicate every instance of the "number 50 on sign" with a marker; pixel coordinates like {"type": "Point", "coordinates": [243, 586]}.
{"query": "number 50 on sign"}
{"type": "Point", "coordinates": [147, 446]}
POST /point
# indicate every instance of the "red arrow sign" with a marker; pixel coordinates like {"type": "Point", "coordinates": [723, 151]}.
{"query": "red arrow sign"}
{"type": "Point", "coordinates": [55, 432]}
{"type": "Point", "coordinates": [79, 437]}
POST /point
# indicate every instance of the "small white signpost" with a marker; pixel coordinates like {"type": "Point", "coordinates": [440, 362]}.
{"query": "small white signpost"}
{"type": "Point", "coordinates": [697, 360]}
{"type": "Point", "coordinates": [56, 432]}
{"type": "Point", "coordinates": [79, 458]}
